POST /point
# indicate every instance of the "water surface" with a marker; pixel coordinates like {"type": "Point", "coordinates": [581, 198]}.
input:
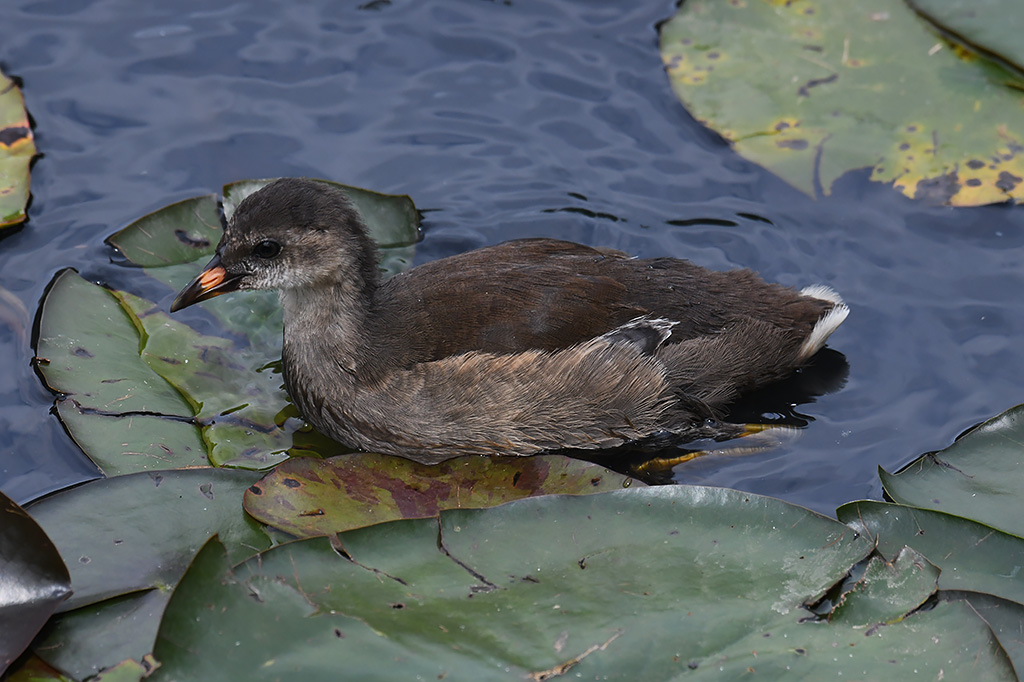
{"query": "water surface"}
{"type": "Point", "coordinates": [502, 120]}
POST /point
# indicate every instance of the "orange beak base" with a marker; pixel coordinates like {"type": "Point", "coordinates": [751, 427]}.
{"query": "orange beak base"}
{"type": "Point", "coordinates": [214, 280]}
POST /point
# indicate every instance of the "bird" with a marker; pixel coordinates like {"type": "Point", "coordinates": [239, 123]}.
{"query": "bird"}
{"type": "Point", "coordinates": [526, 347]}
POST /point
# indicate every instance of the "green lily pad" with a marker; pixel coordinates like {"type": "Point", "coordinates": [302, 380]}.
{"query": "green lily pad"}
{"type": "Point", "coordinates": [307, 497]}
{"type": "Point", "coordinates": [17, 147]}
{"type": "Point", "coordinates": [129, 443]}
{"type": "Point", "coordinates": [115, 536]}
{"type": "Point", "coordinates": [121, 413]}
{"type": "Point", "coordinates": [180, 233]}
{"type": "Point", "coordinates": [88, 347]}
{"type": "Point", "coordinates": [125, 556]}
{"type": "Point", "coordinates": [88, 639]}
{"type": "Point", "coordinates": [237, 397]}
{"type": "Point", "coordinates": [989, 26]}
{"type": "Point", "coordinates": [651, 584]}
{"type": "Point", "coordinates": [813, 90]}
{"type": "Point", "coordinates": [973, 557]}
{"type": "Point", "coordinates": [889, 591]}
{"type": "Point", "coordinates": [33, 580]}
{"type": "Point", "coordinates": [979, 477]}
{"type": "Point", "coordinates": [1004, 618]}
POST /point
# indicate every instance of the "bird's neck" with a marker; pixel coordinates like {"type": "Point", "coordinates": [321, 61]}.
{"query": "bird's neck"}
{"type": "Point", "coordinates": [326, 334]}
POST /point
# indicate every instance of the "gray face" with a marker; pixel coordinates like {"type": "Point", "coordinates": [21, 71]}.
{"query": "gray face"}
{"type": "Point", "coordinates": [295, 233]}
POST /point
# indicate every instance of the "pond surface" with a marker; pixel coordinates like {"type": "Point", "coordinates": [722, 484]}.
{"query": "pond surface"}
{"type": "Point", "coordinates": [501, 120]}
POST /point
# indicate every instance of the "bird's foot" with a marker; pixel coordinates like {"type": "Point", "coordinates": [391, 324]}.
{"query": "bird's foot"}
{"type": "Point", "coordinates": [757, 438]}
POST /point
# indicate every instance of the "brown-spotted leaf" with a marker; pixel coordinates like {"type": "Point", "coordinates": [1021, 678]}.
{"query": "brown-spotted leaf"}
{"type": "Point", "coordinates": [308, 497]}
{"type": "Point", "coordinates": [17, 147]}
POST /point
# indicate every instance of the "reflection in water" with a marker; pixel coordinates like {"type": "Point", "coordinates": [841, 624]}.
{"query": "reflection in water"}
{"type": "Point", "coordinates": [773, 406]}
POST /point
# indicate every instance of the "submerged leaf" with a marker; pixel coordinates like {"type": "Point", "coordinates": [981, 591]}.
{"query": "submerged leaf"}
{"type": "Point", "coordinates": [813, 90]}
{"type": "Point", "coordinates": [308, 497]}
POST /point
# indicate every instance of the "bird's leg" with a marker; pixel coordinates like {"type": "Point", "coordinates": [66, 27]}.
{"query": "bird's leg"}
{"type": "Point", "coordinates": [758, 438]}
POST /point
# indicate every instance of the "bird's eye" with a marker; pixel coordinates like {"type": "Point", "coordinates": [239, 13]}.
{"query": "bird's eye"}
{"type": "Point", "coordinates": [267, 248]}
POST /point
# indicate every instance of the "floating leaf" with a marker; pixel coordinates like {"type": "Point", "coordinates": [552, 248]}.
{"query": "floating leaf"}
{"type": "Point", "coordinates": [90, 638]}
{"type": "Point", "coordinates": [237, 396]}
{"type": "Point", "coordinates": [889, 591]}
{"type": "Point", "coordinates": [972, 556]}
{"type": "Point", "coordinates": [127, 540]}
{"type": "Point", "coordinates": [125, 444]}
{"type": "Point", "coordinates": [180, 233]}
{"type": "Point", "coordinates": [17, 147]}
{"type": "Point", "coordinates": [89, 345]}
{"type": "Point", "coordinates": [1005, 618]}
{"type": "Point", "coordinates": [652, 584]}
{"type": "Point", "coordinates": [813, 90]}
{"type": "Point", "coordinates": [989, 26]}
{"type": "Point", "coordinates": [33, 580]}
{"type": "Point", "coordinates": [308, 497]}
{"type": "Point", "coordinates": [979, 477]}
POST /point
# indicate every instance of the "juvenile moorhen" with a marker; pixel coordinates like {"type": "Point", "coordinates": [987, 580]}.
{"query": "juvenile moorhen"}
{"type": "Point", "coordinates": [525, 347]}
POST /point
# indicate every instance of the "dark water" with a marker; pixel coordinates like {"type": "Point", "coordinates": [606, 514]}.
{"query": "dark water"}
{"type": "Point", "coordinates": [503, 120]}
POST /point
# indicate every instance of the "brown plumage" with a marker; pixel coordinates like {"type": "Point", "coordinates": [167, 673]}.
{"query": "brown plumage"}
{"type": "Point", "coordinates": [525, 347]}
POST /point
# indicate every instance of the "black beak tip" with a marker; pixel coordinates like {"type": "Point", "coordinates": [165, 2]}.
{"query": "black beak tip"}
{"type": "Point", "coordinates": [212, 281]}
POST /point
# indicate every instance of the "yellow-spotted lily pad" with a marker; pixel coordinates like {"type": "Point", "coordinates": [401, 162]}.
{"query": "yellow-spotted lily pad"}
{"type": "Point", "coordinates": [812, 90]}
{"type": "Point", "coordinates": [17, 147]}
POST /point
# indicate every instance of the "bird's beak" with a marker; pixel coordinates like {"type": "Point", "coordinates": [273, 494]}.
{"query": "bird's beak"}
{"type": "Point", "coordinates": [214, 280]}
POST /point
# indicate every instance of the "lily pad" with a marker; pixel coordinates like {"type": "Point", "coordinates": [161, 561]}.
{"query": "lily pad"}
{"type": "Point", "coordinates": [307, 497]}
{"type": "Point", "coordinates": [973, 557]}
{"type": "Point", "coordinates": [180, 233]}
{"type": "Point", "coordinates": [652, 584]}
{"type": "Point", "coordinates": [889, 590]}
{"type": "Point", "coordinates": [236, 392]}
{"type": "Point", "coordinates": [989, 26]}
{"type": "Point", "coordinates": [125, 556]}
{"type": "Point", "coordinates": [33, 580]}
{"type": "Point", "coordinates": [979, 477]}
{"type": "Point", "coordinates": [88, 350]}
{"type": "Point", "coordinates": [17, 147]}
{"type": "Point", "coordinates": [1005, 618]}
{"type": "Point", "coordinates": [813, 90]}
